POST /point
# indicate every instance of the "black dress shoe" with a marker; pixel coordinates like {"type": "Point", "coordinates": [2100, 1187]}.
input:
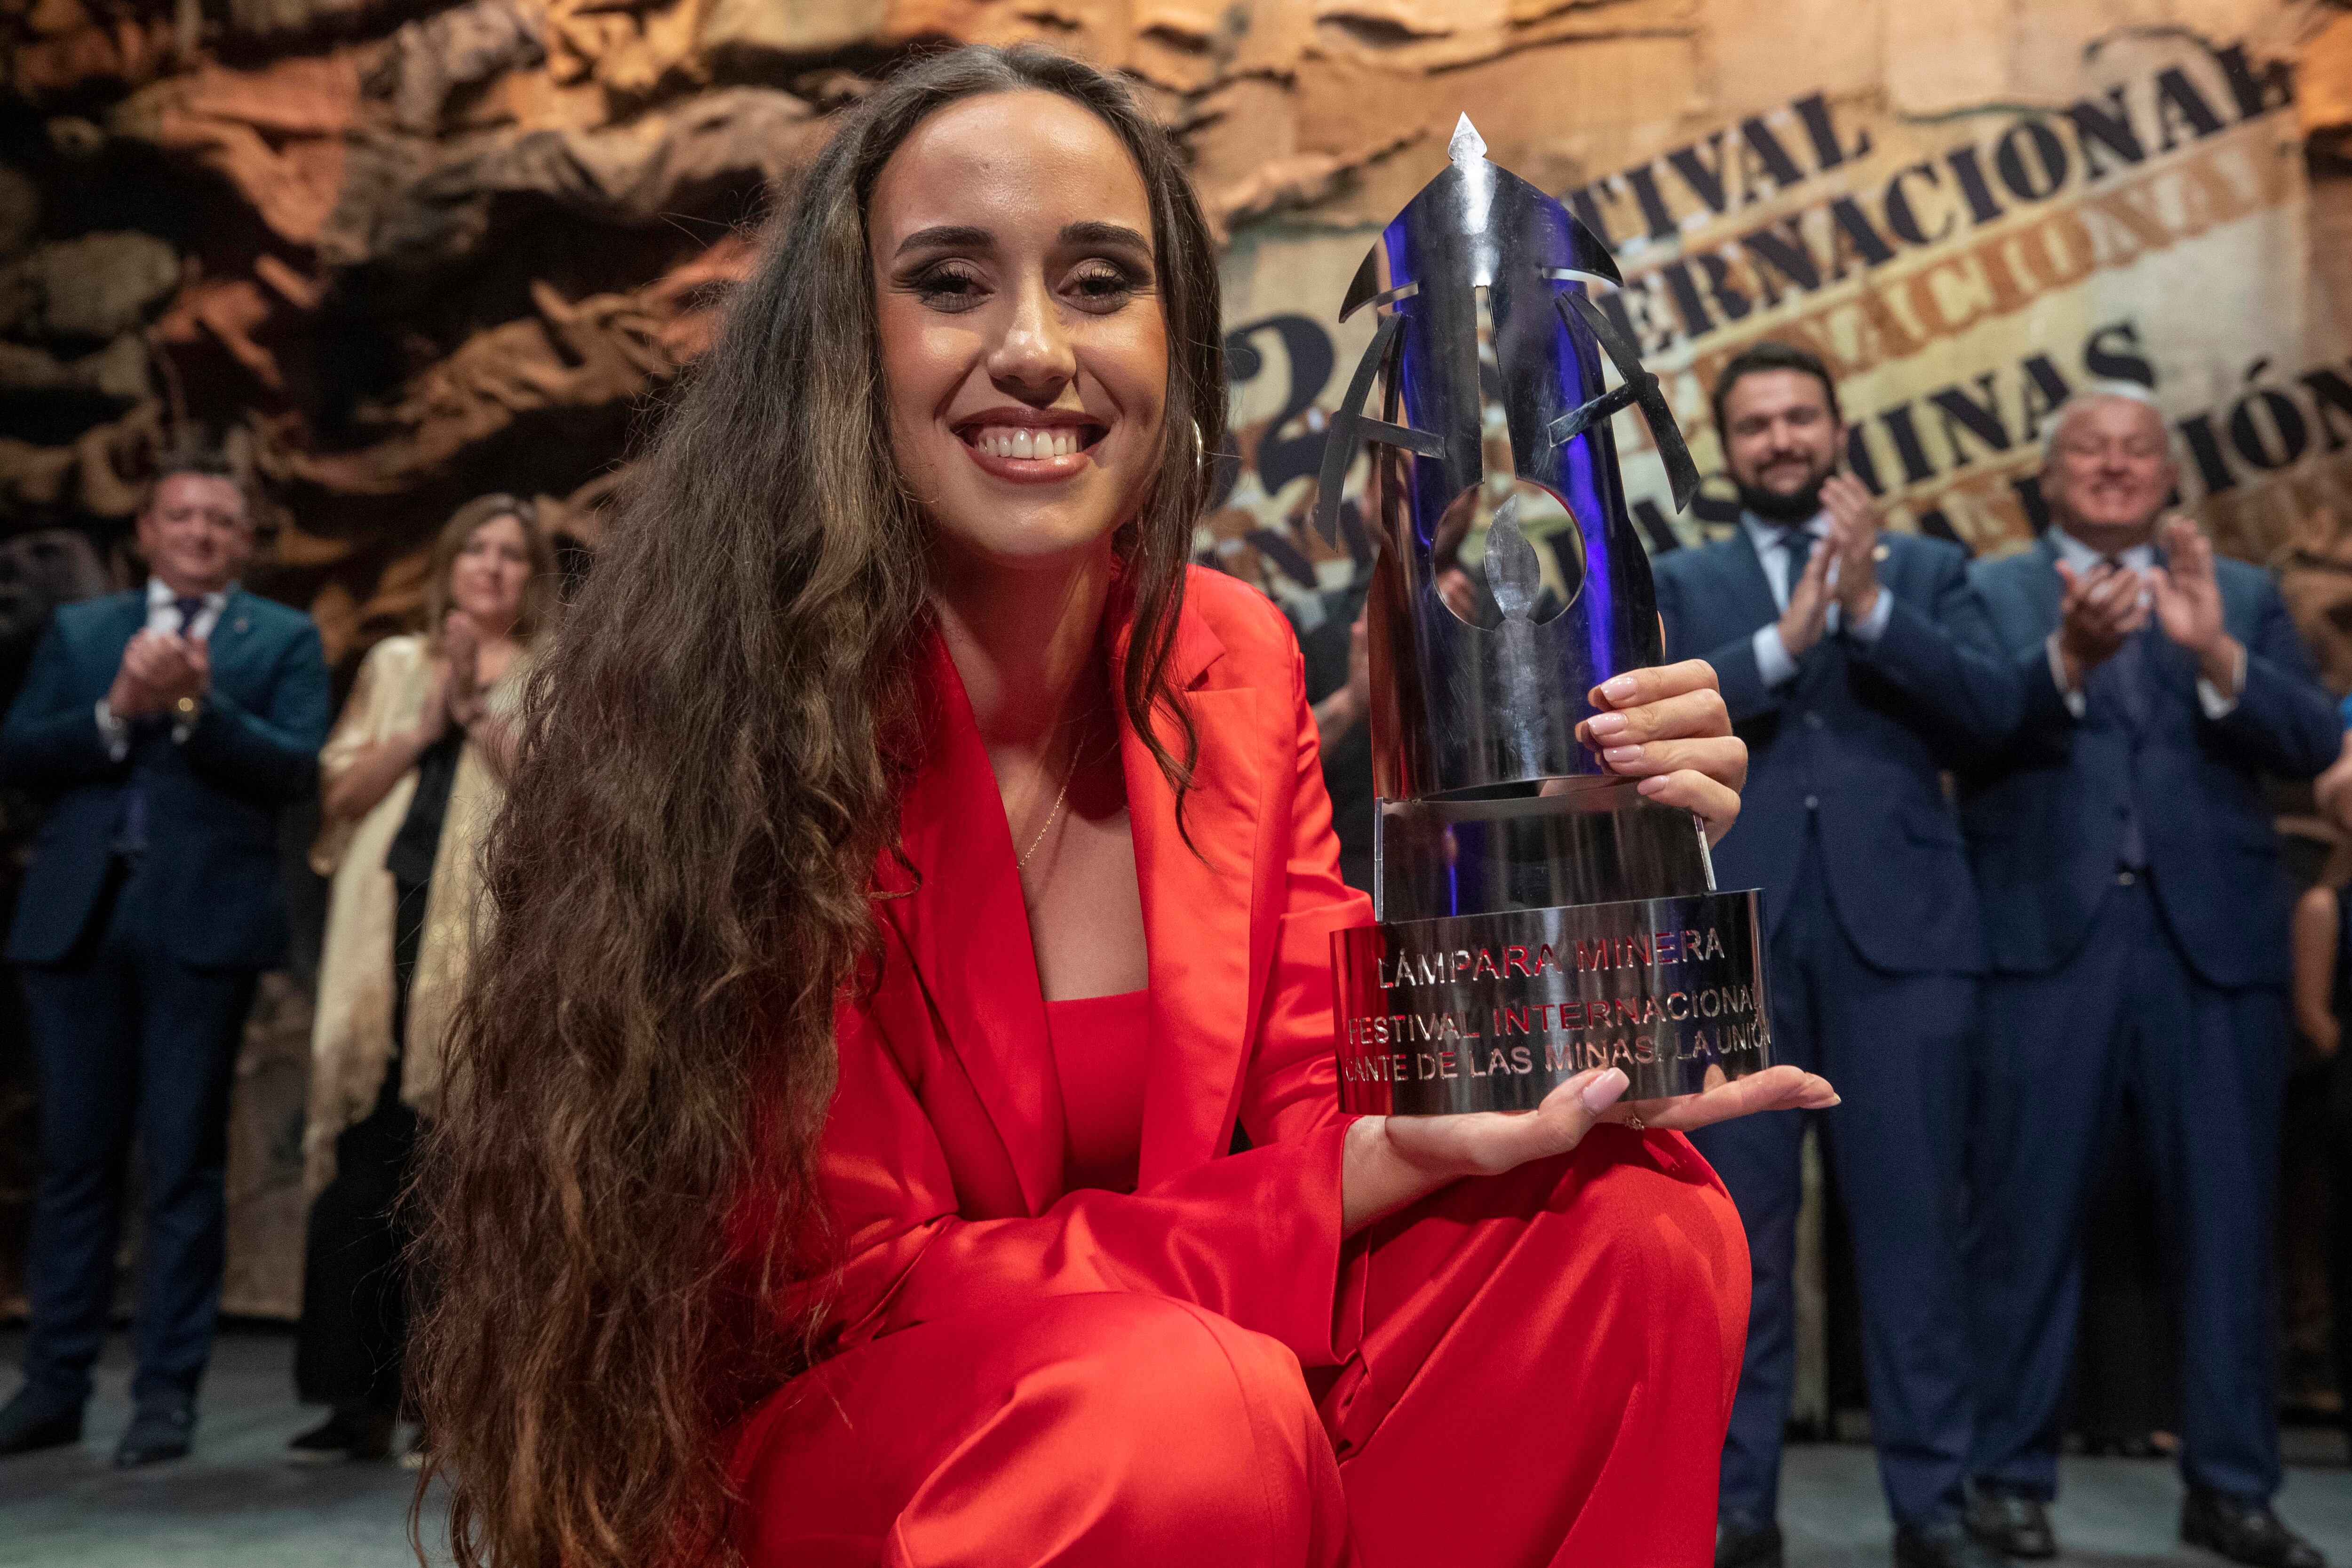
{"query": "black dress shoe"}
{"type": "Point", "coordinates": [1746, 1545]}
{"type": "Point", "coordinates": [40, 1415]}
{"type": "Point", "coordinates": [1946, 1543]}
{"type": "Point", "coordinates": [2015, 1526]}
{"type": "Point", "coordinates": [162, 1426]}
{"type": "Point", "coordinates": [2243, 1529]}
{"type": "Point", "coordinates": [353, 1432]}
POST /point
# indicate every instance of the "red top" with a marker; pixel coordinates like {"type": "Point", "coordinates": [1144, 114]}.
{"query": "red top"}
{"type": "Point", "coordinates": [1098, 1055]}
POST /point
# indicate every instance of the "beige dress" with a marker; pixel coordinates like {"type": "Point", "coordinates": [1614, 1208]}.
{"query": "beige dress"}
{"type": "Point", "coordinates": [351, 1041]}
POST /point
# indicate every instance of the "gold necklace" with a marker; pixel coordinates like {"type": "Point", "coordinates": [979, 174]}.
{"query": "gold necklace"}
{"type": "Point", "coordinates": [1051, 817]}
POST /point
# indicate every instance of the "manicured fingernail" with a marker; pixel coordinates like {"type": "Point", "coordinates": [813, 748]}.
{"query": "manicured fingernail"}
{"type": "Point", "coordinates": [1604, 1091]}
{"type": "Point", "coordinates": [1601, 726]}
{"type": "Point", "coordinates": [1618, 690]}
{"type": "Point", "coordinates": [1623, 754]}
{"type": "Point", "coordinates": [1651, 784]}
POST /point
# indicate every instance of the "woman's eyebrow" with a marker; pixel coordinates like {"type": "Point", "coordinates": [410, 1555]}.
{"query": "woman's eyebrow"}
{"type": "Point", "coordinates": [1094, 231]}
{"type": "Point", "coordinates": [948, 237]}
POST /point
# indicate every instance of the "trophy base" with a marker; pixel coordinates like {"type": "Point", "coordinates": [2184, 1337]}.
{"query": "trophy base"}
{"type": "Point", "coordinates": [1491, 1012]}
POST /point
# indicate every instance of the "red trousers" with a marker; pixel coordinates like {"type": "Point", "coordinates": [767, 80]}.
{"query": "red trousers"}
{"type": "Point", "coordinates": [1543, 1366]}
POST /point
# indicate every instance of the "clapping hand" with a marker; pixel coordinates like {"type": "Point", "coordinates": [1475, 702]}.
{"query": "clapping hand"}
{"type": "Point", "coordinates": [1853, 545]}
{"type": "Point", "coordinates": [2097, 610]}
{"type": "Point", "coordinates": [2188, 602]}
{"type": "Point", "coordinates": [158, 670]}
{"type": "Point", "coordinates": [433, 717]}
{"type": "Point", "coordinates": [460, 651]}
{"type": "Point", "coordinates": [1810, 598]}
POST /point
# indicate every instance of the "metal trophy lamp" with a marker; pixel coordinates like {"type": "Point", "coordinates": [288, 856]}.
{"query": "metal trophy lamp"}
{"type": "Point", "coordinates": [1536, 915]}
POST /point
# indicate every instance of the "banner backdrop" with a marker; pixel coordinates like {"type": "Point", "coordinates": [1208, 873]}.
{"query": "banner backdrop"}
{"type": "Point", "coordinates": [1960, 270]}
{"type": "Point", "coordinates": [395, 256]}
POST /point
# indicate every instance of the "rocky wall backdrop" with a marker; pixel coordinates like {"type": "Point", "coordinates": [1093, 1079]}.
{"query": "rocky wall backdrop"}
{"type": "Point", "coordinates": [395, 254]}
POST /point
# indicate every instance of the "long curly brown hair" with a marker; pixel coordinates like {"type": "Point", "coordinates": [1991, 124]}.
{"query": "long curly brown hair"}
{"type": "Point", "coordinates": [619, 1201]}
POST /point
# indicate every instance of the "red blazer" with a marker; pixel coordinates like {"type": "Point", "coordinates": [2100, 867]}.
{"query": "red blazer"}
{"type": "Point", "coordinates": [942, 1154]}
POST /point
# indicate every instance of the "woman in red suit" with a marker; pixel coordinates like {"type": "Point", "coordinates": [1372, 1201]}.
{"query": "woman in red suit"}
{"type": "Point", "coordinates": [896, 1120]}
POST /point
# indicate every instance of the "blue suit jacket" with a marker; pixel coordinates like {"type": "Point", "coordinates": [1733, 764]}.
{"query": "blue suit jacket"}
{"type": "Point", "coordinates": [1860, 737]}
{"type": "Point", "coordinates": [2044, 813]}
{"type": "Point", "coordinates": [212, 865]}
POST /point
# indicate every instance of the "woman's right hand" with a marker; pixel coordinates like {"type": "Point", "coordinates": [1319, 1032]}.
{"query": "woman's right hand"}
{"type": "Point", "coordinates": [1488, 1143]}
{"type": "Point", "coordinates": [1393, 1161]}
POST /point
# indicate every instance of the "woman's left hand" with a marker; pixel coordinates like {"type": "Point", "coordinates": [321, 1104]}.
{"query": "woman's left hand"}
{"type": "Point", "coordinates": [1668, 726]}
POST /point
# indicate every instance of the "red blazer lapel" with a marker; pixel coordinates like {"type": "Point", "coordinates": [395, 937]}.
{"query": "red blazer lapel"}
{"type": "Point", "coordinates": [1202, 923]}
{"type": "Point", "coordinates": [967, 932]}
{"type": "Point", "coordinates": [1208, 921]}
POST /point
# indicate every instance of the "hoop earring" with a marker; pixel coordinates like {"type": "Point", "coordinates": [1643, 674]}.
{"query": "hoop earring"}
{"type": "Point", "coordinates": [1200, 447]}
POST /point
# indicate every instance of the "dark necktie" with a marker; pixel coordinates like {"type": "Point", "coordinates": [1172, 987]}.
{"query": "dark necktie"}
{"type": "Point", "coordinates": [190, 606]}
{"type": "Point", "coordinates": [1797, 541]}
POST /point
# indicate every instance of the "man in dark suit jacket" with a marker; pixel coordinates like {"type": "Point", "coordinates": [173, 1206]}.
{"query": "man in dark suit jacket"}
{"type": "Point", "coordinates": [2138, 923]}
{"type": "Point", "coordinates": [168, 725]}
{"type": "Point", "coordinates": [1856, 665]}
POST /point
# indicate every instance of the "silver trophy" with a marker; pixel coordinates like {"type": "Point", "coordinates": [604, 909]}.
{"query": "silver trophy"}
{"type": "Point", "coordinates": [1536, 915]}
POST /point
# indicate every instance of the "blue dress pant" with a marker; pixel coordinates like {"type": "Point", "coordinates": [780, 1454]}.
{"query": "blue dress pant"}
{"type": "Point", "coordinates": [2207, 1067]}
{"type": "Point", "coordinates": [1896, 1047]}
{"type": "Point", "coordinates": [128, 1041]}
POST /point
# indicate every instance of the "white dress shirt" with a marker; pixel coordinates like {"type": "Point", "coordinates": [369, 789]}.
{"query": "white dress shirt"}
{"type": "Point", "coordinates": [1773, 660]}
{"type": "Point", "coordinates": [163, 616]}
{"type": "Point", "coordinates": [2081, 557]}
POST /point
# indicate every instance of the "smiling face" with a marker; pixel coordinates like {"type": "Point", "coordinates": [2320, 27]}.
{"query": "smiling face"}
{"type": "Point", "coordinates": [1022, 340]}
{"type": "Point", "coordinates": [1780, 441]}
{"type": "Point", "coordinates": [2110, 472]}
{"type": "Point", "coordinates": [195, 534]}
{"type": "Point", "coordinates": [489, 573]}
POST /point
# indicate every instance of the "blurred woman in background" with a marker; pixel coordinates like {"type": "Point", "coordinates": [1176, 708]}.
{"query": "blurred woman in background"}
{"type": "Point", "coordinates": [409, 782]}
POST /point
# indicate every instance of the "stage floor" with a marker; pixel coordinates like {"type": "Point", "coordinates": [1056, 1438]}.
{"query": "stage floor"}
{"type": "Point", "coordinates": [234, 1504]}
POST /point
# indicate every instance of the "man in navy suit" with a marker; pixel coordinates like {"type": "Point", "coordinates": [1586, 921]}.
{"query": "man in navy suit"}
{"type": "Point", "coordinates": [1857, 664]}
{"type": "Point", "coordinates": [168, 725]}
{"type": "Point", "coordinates": [2138, 918]}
